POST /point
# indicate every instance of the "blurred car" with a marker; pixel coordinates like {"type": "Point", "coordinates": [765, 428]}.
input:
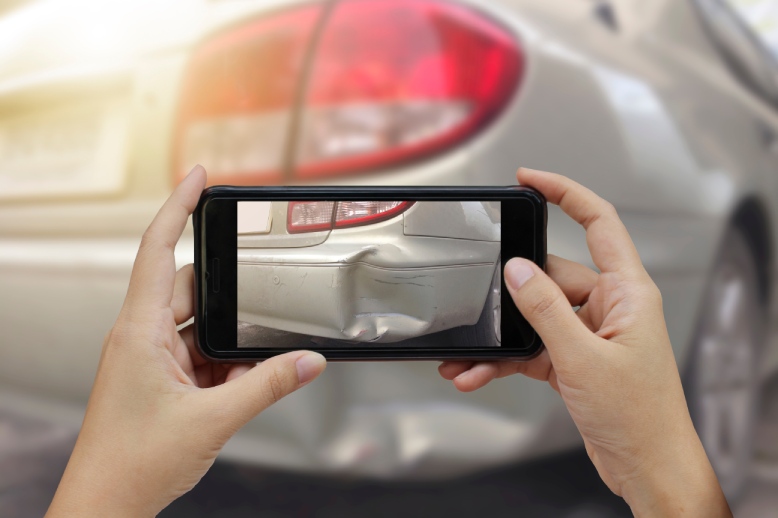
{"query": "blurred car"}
{"type": "Point", "coordinates": [371, 271]}
{"type": "Point", "coordinates": [667, 108]}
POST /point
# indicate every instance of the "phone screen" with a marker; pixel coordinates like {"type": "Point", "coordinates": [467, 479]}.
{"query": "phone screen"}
{"type": "Point", "coordinates": [374, 275]}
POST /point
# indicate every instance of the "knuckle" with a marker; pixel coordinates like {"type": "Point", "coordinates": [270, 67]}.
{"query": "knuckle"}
{"type": "Point", "coordinates": [155, 237]}
{"type": "Point", "coordinates": [543, 305]}
{"type": "Point", "coordinates": [118, 334]}
{"type": "Point", "coordinates": [148, 240]}
{"type": "Point", "coordinates": [276, 388]}
{"type": "Point", "coordinates": [608, 209]}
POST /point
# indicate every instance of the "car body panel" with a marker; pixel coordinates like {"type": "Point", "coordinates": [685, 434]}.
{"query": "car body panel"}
{"type": "Point", "coordinates": [375, 283]}
{"type": "Point", "coordinates": [468, 220]}
{"type": "Point", "coordinates": [277, 236]}
{"type": "Point", "coordinates": [360, 302]}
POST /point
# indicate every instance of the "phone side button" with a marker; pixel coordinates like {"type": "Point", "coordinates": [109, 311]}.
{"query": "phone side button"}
{"type": "Point", "coordinates": [215, 276]}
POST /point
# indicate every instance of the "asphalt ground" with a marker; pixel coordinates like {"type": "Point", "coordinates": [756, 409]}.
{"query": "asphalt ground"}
{"type": "Point", "coordinates": [250, 335]}
{"type": "Point", "coordinates": [33, 455]}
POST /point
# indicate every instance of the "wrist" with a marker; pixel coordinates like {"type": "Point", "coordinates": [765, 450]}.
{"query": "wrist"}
{"type": "Point", "coordinates": [91, 489]}
{"type": "Point", "coordinates": [85, 502]}
{"type": "Point", "coordinates": [67, 504]}
{"type": "Point", "coordinates": [679, 483]}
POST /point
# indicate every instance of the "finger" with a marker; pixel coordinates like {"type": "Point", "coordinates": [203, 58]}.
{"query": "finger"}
{"type": "Point", "coordinates": [585, 315]}
{"type": "Point", "coordinates": [450, 370]}
{"type": "Point", "coordinates": [540, 368]}
{"type": "Point", "coordinates": [575, 280]}
{"type": "Point", "coordinates": [547, 309]}
{"type": "Point", "coordinates": [481, 374]}
{"type": "Point", "coordinates": [183, 295]}
{"type": "Point", "coordinates": [183, 358]}
{"type": "Point", "coordinates": [187, 352]}
{"type": "Point", "coordinates": [153, 274]}
{"type": "Point", "coordinates": [244, 396]}
{"type": "Point", "coordinates": [188, 357]}
{"type": "Point", "coordinates": [188, 337]}
{"type": "Point", "coordinates": [237, 370]}
{"type": "Point", "coordinates": [608, 240]}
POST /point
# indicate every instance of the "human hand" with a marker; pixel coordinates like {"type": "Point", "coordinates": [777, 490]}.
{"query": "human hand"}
{"type": "Point", "coordinates": [611, 361]}
{"type": "Point", "coordinates": [159, 413]}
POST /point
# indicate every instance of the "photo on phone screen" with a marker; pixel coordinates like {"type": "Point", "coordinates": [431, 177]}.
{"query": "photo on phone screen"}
{"type": "Point", "coordinates": [369, 274]}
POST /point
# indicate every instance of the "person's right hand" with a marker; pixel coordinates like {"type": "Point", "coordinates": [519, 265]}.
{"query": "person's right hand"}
{"type": "Point", "coordinates": [611, 361]}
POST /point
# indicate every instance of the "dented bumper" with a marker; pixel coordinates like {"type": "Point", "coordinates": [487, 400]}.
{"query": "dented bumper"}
{"type": "Point", "coordinates": [381, 292]}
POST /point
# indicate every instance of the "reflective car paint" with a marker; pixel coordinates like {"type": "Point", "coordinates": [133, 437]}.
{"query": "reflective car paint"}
{"type": "Point", "coordinates": [385, 282]}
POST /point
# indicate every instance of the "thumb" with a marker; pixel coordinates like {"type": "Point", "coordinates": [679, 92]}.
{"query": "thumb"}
{"type": "Point", "coordinates": [241, 399]}
{"type": "Point", "coordinates": [546, 308]}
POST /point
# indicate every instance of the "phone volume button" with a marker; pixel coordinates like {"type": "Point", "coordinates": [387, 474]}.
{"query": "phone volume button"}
{"type": "Point", "coordinates": [215, 276]}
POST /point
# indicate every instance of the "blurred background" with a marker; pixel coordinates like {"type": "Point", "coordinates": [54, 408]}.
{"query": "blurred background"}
{"type": "Point", "coordinates": [667, 108]}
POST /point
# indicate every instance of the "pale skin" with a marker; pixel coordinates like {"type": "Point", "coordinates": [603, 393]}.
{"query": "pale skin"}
{"type": "Point", "coordinates": [159, 413]}
{"type": "Point", "coordinates": [611, 361]}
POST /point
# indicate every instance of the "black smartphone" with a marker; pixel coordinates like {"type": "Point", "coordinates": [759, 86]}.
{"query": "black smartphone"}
{"type": "Point", "coordinates": [413, 273]}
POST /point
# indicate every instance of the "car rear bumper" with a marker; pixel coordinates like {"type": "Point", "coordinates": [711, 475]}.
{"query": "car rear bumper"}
{"type": "Point", "coordinates": [384, 419]}
{"type": "Point", "coordinates": [376, 293]}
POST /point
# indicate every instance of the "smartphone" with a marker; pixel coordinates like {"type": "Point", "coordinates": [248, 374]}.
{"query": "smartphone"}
{"type": "Point", "coordinates": [364, 273]}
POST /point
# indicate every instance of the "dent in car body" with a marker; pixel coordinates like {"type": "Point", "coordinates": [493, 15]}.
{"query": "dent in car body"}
{"type": "Point", "coordinates": [375, 283]}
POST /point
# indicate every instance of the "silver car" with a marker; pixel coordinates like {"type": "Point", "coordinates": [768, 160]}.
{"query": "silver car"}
{"type": "Point", "coordinates": [370, 271]}
{"type": "Point", "coordinates": [664, 107]}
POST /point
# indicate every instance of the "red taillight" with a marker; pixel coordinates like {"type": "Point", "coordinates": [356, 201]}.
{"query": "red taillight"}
{"type": "Point", "coordinates": [237, 98]}
{"type": "Point", "coordinates": [396, 80]}
{"type": "Point", "coordinates": [311, 216]}
{"type": "Point", "coordinates": [390, 81]}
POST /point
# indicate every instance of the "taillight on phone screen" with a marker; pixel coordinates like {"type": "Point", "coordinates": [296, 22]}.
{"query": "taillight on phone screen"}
{"type": "Point", "coordinates": [309, 216]}
{"type": "Point", "coordinates": [396, 80]}
{"type": "Point", "coordinates": [312, 216]}
{"type": "Point", "coordinates": [237, 98]}
{"type": "Point", "coordinates": [355, 213]}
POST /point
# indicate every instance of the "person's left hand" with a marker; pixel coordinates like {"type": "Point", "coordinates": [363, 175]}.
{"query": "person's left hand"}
{"type": "Point", "coordinates": [159, 413]}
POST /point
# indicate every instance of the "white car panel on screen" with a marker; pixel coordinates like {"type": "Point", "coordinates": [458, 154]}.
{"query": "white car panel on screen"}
{"type": "Point", "coordinates": [378, 283]}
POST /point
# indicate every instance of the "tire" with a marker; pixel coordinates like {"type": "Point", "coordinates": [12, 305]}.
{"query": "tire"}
{"type": "Point", "coordinates": [721, 380]}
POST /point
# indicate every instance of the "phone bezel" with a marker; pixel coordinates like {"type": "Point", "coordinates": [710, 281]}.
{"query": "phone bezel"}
{"type": "Point", "coordinates": [224, 248]}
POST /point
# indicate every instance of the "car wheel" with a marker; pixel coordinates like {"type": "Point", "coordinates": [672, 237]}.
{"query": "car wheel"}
{"type": "Point", "coordinates": [721, 381]}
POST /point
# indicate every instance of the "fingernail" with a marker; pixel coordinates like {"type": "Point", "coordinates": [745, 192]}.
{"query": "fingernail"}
{"type": "Point", "coordinates": [195, 168]}
{"type": "Point", "coordinates": [309, 366]}
{"type": "Point", "coordinates": [517, 272]}
{"type": "Point", "coordinates": [462, 376]}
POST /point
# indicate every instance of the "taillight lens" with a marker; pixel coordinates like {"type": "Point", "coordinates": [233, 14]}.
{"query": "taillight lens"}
{"type": "Point", "coordinates": [395, 80]}
{"type": "Point", "coordinates": [311, 216]}
{"type": "Point", "coordinates": [237, 99]}
{"type": "Point", "coordinates": [390, 81]}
